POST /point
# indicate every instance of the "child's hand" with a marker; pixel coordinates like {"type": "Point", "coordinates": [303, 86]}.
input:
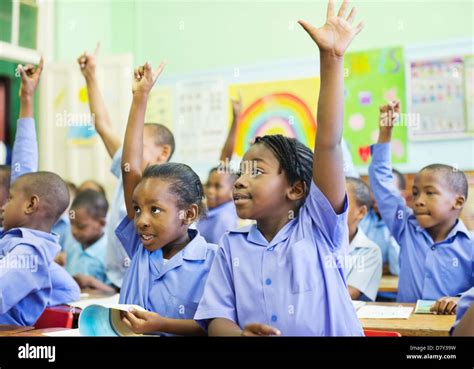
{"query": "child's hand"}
{"type": "Point", "coordinates": [30, 77]}
{"type": "Point", "coordinates": [237, 106]}
{"type": "Point", "coordinates": [145, 77]}
{"type": "Point", "coordinates": [336, 35]}
{"type": "Point", "coordinates": [88, 62]}
{"type": "Point", "coordinates": [388, 117]}
{"type": "Point", "coordinates": [445, 305]}
{"type": "Point", "coordinates": [84, 281]}
{"type": "Point", "coordinates": [257, 329]}
{"type": "Point", "coordinates": [142, 322]}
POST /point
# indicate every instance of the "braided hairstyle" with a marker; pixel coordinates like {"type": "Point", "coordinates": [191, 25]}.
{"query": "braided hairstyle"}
{"type": "Point", "coordinates": [185, 183]}
{"type": "Point", "coordinates": [295, 159]}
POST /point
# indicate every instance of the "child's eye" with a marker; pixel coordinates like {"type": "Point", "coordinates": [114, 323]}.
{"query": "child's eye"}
{"type": "Point", "coordinates": [137, 209]}
{"type": "Point", "coordinates": [155, 210]}
{"type": "Point", "coordinates": [429, 193]}
{"type": "Point", "coordinates": [256, 172]}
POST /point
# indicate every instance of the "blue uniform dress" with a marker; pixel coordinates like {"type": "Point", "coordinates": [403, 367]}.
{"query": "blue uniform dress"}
{"type": "Point", "coordinates": [295, 282]}
{"type": "Point", "coordinates": [116, 259]}
{"type": "Point", "coordinates": [428, 270]}
{"type": "Point", "coordinates": [173, 287]}
{"type": "Point", "coordinates": [27, 274]}
{"type": "Point", "coordinates": [89, 261]}
{"type": "Point", "coordinates": [219, 220]}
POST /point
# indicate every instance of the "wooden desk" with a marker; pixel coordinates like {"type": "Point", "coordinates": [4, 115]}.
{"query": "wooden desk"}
{"type": "Point", "coordinates": [389, 283]}
{"type": "Point", "coordinates": [11, 329]}
{"type": "Point", "coordinates": [415, 325]}
{"type": "Point", "coordinates": [38, 332]}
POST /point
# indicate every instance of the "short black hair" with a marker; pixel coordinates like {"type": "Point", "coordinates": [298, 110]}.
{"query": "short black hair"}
{"type": "Point", "coordinates": [51, 190]}
{"type": "Point", "coordinates": [455, 178]}
{"type": "Point", "coordinates": [296, 159]}
{"type": "Point", "coordinates": [99, 187]}
{"type": "Point", "coordinates": [402, 182]}
{"type": "Point", "coordinates": [361, 191]}
{"type": "Point", "coordinates": [94, 202]}
{"type": "Point", "coordinates": [162, 136]}
{"type": "Point", "coordinates": [186, 184]}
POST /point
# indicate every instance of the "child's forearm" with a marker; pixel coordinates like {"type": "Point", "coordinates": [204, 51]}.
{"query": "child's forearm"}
{"type": "Point", "coordinates": [133, 149]}
{"type": "Point", "coordinates": [385, 135]}
{"type": "Point", "coordinates": [228, 148]}
{"type": "Point", "coordinates": [181, 327]}
{"type": "Point", "coordinates": [26, 106]}
{"type": "Point", "coordinates": [223, 327]}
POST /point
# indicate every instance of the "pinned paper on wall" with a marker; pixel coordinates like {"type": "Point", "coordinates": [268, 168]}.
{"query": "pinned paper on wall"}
{"type": "Point", "coordinates": [282, 107]}
{"type": "Point", "coordinates": [159, 108]}
{"type": "Point", "coordinates": [469, 91]}
{"type": "Point", "coordinates": [372, 78]}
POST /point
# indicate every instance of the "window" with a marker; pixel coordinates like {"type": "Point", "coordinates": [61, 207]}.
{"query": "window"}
{"type": "Point", "coordinates": [19, 22]}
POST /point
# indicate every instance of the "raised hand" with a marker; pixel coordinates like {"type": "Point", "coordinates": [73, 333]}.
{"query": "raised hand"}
{"type": "Point", "coordinates": [88, 62]}
{"type": "Point", "coordinates": [388, 117]}
{"type": "Point", "coordinates": [145, 77]}
{"type": "Point", "coordinates": [30, 76]}
{"type": "Point", "coordinates": [237, 106]}
{"type": "Point", "coordinates": [335, 36]}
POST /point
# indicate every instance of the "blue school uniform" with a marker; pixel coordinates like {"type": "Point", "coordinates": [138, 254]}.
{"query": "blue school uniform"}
{"type": "Point", "coordinates": [117, 261]}
{"type": "Point", "coordinates": [173, 287]}
{"type": "Point", "coordinates": [467, 299]}
{"type": "Point", "coordinates": [295, 282]}
{"type": "Point", "coordinates": [376, 230]}
{"type": "Point", "coordinates": [218, 220]}
{"type": "Point", "coordinates": [428, 270]}
{"type": "Point", "coordinates": [65, 288]}
{"type": "Point", "coordinates": [26, 284]}
{"type": "Point", "coordinates": [364, 269]}
{"type": "Point", "coordinates": [89, 261]}
{"type": "Point", "coordinates": [63, 229]}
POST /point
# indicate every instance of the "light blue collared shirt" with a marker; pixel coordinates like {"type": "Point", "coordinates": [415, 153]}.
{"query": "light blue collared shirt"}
{"type": "Point", "coordinates": [25, 149]}
{"type": "Point", "coordinates": [89, 261]}
{"type": "Point", "coordinates": [467, 299]}
{"type": "Point", "coordinates": [117, 261]}
{"type": "Point", "coordinates": [218, 221]}
{"type": "Point", "coordinates": [428, 270]}
{"type": "Point", "coordinates": [171, 288]}
{"type": "Point", "coordinates": [29, 278]}
{"type": "Point", "coordinates": [294, 283]}
{"type": "Point", "coordinates": [63, 229]}
{"type": "Point", "coordinates": [364, 271]}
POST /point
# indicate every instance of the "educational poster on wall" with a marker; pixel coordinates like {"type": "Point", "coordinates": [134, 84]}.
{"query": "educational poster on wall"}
{"type": "Point", "coordinates": [80, 123]}
{"type": "Point", "coordinates": [159, 107]}
{"type": "Point", "coordinates": [200, 124]}
{"type": "Point", "coordinates": [281, 107]}
{"type": "Point", "coordinates": [437, 97]}
{"type": "Point", "coordinates": [372, 78]}
{"type": "Point", "coordinates": [469, 91]}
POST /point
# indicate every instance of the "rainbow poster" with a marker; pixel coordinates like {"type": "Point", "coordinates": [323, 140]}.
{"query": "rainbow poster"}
{"type": "Point", "coordinates": [282, 107]}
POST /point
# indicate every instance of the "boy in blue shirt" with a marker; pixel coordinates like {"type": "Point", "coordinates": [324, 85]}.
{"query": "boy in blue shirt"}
{"type": "Point", "coordinates": [85, 251]}
{"type": "Point", "coordinates": [29, 278]}
{"type": "Point", "coordinates": [436, 249]}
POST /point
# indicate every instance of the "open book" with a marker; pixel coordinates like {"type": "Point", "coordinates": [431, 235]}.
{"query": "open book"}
{"type": "Point", "coordinates": [104, 319]}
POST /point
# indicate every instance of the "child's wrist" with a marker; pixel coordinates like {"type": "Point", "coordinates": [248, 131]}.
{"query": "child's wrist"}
{"type": "Point", "coordinates": [140, 95]}
{"type": "Point", "coordinates": [385, 135]}
{"type": "Point", "coordinates": [330, 56]}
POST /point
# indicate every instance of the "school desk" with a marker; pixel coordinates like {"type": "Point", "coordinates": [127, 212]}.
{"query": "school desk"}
{"type": "Point", "coordinates": [389, 283]}
{"type": "Point", "coordinates": [39, 332]}
{"type": "Point", "coordinates": [12, 329]}
{"type": "Point", "coordinates": [415, 325]}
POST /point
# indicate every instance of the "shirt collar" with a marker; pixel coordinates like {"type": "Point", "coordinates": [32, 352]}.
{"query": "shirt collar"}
{"type": "Point", "coordinates": [97, 248]}
{"type": "Point", "coordinates": [360, 240]}
{"type": "Point", "coordinates": [256, 237]}
{"type": "Point", "coordinates": [459, 227]}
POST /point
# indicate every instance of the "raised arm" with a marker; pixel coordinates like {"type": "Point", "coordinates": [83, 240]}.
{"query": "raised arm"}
{"type": "Point", "coordinates": [25, 147]}
{"type": "Point", "coordinates": [132, 157]}
{"type": "Point", "coordinates": [87, 63]}
{"type": "Point", "coordinates": [228, 148]}
{"type": "Point", "coordinates": [332, 39]}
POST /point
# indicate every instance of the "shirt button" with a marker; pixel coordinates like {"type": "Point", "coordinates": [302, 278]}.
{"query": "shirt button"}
{"type": "Point", "coordinates": [270, 248]}
{"type": "Point", "coordinates": [274, 318]}
{"type": "Point", "coordinates": [268, 281]}
{"type": "Point", "coordinates": [433, 247]}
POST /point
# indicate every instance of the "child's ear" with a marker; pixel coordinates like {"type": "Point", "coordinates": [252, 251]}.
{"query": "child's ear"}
{"type": "Point", "coordinates": [362, 212]}
{"type": "Point", "coordinates": [459, 202]}
{"type": "Point", "coordinates": [102, 222]}
{"type": "Point", "coordinates": [297, 191]}
{"type": "Point", "coordinates": [190, 215]}
{"type": "Point", "coordinates": [32, 204]}
{"type": "Point", "coordinates": [165, 153]}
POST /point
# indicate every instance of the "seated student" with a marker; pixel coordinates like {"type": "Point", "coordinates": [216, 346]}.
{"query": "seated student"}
{"type": "Point", "coordinates": [464, 325]}
{"type": "Point", "coordinates": [29, 278]}
{"type": "Point", "coordinates": [85, 251]}
{"type": "Point", "coordinates": [63, 226]}
{"type": "Point", "coordinates": [158, 147]}
{"type": "Point", "coordinates": [274, 277]}
{"type": "Point", "coordinates": [376, 230]}
{"type": "Point", "coordinates": [364, 266]}
{"type": "Point", "coordinates": [170, 262]}
{"type": "Point", "coordinates": [436, 249]}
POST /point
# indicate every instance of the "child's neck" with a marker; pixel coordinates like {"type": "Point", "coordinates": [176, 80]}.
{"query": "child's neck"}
{"type": "Point", "coordinates": [270, 226]}
{"type": "Point", "coordinates": [440, 231]}
{"type": "Point", "coordinates": [37, 225]}
{"type": "Point", "coordinates": [91, 242]}
{"type": "Point", "coordinates": [176, 246]}
{"type": "Point", "coordinates": [353, 234]}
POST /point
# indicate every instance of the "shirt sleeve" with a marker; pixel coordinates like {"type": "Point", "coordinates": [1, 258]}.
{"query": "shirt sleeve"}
{"type": "Point", "coordinates": [393, 256]}
{"type": "Point", "coordinates": [218, 299]}
{"type": "Point", "coordinates": [22, 272]}
{"type": "Point", "coordinates": [116, 166]}
{"type": "Point", "coordinates": [391, 204]}
{"type": "Point", "coordinates": [332, 225]}
{"type": "Point", "coordinates": [25, 149]}
{"type": "Point", "coordinates": [367, 273]}
{"type": "Point", "coordinates": [128, 236]}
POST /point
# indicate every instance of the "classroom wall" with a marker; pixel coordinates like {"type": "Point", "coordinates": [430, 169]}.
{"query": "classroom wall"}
{"type": "Point", "coordinates": [196, 37]}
